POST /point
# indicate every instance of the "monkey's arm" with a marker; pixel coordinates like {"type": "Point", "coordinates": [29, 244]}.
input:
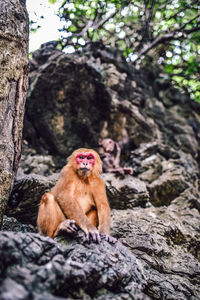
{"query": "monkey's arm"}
{"type": "Point", "coordinates": [117, 157]}
{"type": "Point", "coordinates": [103, 209]}
{"type": "Point", "coordinates": [115, 170]}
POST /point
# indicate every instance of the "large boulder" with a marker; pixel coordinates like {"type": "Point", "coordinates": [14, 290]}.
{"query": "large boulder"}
{"type": "Point", "coordinates": [126, 192]}
{"type": "Point", "coordinates": [95, 93]}
{"type": "Point", "coordinates": [80, 98]}
{"type": "Point", "coordinates": [26, 195]}
{"type": "Point", "coordinates": [166, 241]}
{"type": "Point", "coordinates": [166, 171]}
{"type": "Point", "coordinates": [36, 267]}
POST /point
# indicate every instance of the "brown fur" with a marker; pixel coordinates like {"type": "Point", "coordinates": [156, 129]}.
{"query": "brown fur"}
{"type": "Point", "coordinates": [76, 196]}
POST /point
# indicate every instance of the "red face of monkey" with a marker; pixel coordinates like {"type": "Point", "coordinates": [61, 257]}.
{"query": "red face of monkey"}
{"type": "Point", "coordinates": [85, 161]}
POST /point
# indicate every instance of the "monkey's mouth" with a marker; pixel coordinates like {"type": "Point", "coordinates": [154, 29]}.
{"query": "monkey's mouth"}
{"type": "Point", "coordinates": [84, 170]}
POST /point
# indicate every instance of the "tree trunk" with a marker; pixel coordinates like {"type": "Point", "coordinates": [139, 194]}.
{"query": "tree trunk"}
{"type": "Point", "coordinates": [14, 30]}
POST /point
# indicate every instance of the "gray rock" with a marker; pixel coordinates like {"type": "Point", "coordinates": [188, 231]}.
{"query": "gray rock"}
{"type": "Point", "coordinates": [36, 267]}
{"type": "Point", "coordinates": [36, 164]}
{"type": "Point", "coordinates": [104, 101]}
{"type": "Point", "coordinates": [11, 224]}
{"type": "Point", "coordinates": [166, 171]}
{"type": "Point", "coordinates": [125, 191]}
{"type": "Point", "coordinates": [25, 197]}
{"type": "Point", "coordinates": [166, 241]}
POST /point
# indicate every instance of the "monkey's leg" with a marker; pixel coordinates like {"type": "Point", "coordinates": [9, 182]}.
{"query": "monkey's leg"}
{"type": "Point", "coordinates": [50, 215]}
{"type": "Point", "coordinates": [92, 216]}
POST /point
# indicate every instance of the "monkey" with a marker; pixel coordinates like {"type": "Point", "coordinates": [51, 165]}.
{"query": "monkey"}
{"type": "Point", "coordinates": [110, 151]}
{"type": "Point", "coordinates": [78, 198]}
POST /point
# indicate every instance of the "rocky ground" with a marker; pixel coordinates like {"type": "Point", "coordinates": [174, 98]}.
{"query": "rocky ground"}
{"type": "Point", "coordinates": [155, 212]}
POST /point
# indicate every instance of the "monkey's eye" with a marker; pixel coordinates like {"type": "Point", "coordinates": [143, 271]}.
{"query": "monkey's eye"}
{"type": "Point", "coordinates": [81, 157]}
{"type": "Point", "coordinates": [90, 157]}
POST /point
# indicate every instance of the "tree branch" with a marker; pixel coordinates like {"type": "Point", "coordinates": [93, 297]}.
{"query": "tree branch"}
{"type": "Point", "coordinates": [100, 23]}
{"type": "Point", "coordinates": [188, 31]}
{"type": "Point", "coordinates": [85, 29]}
{"type": "Point", "coordinates": [187, 6]}
{"type": "Point", "coordinates": [158, 40]}
{"type": "Point", "coordinates": [164, 5]}
{"type": "Point", "coordinates": [188, 77]}
{"type": "Point", "coordinates": [185, 24]}
{"type": "Point", "coordinates": [178, 33]}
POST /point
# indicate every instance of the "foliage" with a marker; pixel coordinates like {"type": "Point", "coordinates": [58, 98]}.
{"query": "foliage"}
{"type": "Point", "coordinates": [34, 23]}
{"type": "Point", "coordinates": [33, 26]}
{"type": "Point", "coordinates": [164, 32]}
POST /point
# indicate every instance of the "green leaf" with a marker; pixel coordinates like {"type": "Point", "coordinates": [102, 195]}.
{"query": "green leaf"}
{"type": "Point", "coordinates": [169, 68]}
{"type": "Point", "coordinates": [134, 26]}
{"type": "Point", "coordinates": [52, 1]}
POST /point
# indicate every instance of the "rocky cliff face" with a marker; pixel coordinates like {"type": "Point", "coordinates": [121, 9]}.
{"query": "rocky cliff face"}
{"type": "Point", "coordinates": [74, 100]}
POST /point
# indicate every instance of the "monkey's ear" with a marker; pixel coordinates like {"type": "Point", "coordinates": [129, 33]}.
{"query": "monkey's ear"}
{"type": "Point", "coordinates": [100, 142]}
{"type": "Point", "coordinates": [99, 169]}
{"type": "Point", "coordinates": [69, 158]}
{"type": "Point", "coordinates": [98, 165]}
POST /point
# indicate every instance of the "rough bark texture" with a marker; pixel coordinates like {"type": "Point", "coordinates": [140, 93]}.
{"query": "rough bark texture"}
{"type": "Point", "coordinates": [14, 30]}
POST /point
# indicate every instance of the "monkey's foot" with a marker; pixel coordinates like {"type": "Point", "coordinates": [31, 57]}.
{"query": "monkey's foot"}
{"type": "Point", "coordinates": [94, 236]}
{"type": "Point", "coordinates": [68, 226]}
{"type": "Point", "coordinates": [109, 238]}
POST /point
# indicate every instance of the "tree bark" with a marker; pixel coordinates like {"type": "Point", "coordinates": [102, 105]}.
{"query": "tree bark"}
{"type": "Point", "coordinates": [14, 31]}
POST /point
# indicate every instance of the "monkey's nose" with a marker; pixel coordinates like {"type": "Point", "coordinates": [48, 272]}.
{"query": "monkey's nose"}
{"type": "Point", "coordinates": [85, 163]}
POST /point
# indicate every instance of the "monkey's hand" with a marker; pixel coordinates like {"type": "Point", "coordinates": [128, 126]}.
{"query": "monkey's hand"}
{"type": "Point", "coordinates": [93, 233]}
{"type": "Point", "coordinates": [104, 234]}
{"type": "Point", "coordinates": [117, 147]}
{"type": "Point", "coordinates": [128, 170]}
{"type": "Point", "coordinates": [109, 238]}
{"type": "Point", "coordinates": [68, 226]}
{"type": "Point", "coordinates": [118, 170]}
